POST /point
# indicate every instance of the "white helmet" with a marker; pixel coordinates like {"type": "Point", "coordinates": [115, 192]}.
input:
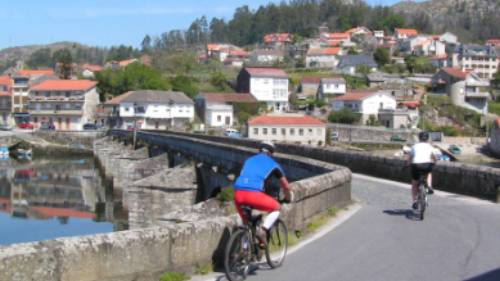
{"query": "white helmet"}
{"type": "Point", "coordinates": [267, 146]}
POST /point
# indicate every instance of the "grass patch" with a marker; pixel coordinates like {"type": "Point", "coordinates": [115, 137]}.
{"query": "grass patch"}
{"type": "Point", "coordinates": [494, 107]}
{"type": "Point", "coordinates": [174, 276]}
{"type": "Point", "coordinates": [226, 194]}
{"type": "Point", "coordinates": [204, 269]}
{"type": "Point", "coordinates": [321, 220]}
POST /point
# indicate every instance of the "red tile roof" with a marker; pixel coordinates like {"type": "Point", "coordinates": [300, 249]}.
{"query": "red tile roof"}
{"type": "Point", "coordinates": [277, 37]}
{"type": "Point", "coordinates": [338, 36]}
{"type": "Point", "coordinates": [406, 31]}
{"type": "Point", "coordinates": [285, 119]}
{"type": "Point", "coordinates": [124, 63]}
{"type": "Point", "coordinates": [456, 72]}
{"type": "Point", "coordinates": [410, 104]}
{"type": "Point", "coordinates": [229, 97]}
{"type": "Point", "coordinates": [30, 72]}
{"type": "Point", "coordinates": [493, 41]}
{"type": "Point", "coordinates": [238, 53]}
{"type": "Point", "coordinates": [355, 95]}
{"type": "Point", "coordinates": [311, 80]}
{"type": "Point", "coordinates": [323, 51]}
{"type": "Point", "coordinates": [266, 72]}
{"type": "Point", "coordinates": [64, 85]}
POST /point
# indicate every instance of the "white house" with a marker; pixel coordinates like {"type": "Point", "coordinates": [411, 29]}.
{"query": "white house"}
{"type": "Point", "coordinates": [216, 109]}
{"type": "Point", "coordinates": [155, 110]}
{"type": "Point", "coordinates": [331, 87]}
{"type": "Point", "coordinates": [423, 45]}
{"type": "Point", "coordinates": [448, 38]}
{"type": "Point", "coordinates": [366, 103]}
{"type": "Point", "coordinates": [66, 104]}
{"type": "Point", "coordinates": [268, 85]}
{"type": "Point", "coordinates": [465, 88]}
{"type": "Point", "coordinates": [290, 128]}
{"type": "Point", "coordinates": [322, 57]}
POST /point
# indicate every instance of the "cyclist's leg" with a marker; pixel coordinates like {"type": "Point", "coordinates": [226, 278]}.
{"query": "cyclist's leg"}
{"type": "Point", "coordinates": [415, 174]}
{"type": "Point", "coordinates": [239, 199]}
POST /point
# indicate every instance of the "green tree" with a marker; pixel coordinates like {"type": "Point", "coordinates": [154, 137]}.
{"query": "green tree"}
{"type": "Point", "coordinates": [40, 58]}
{"type": "Point", "coordinates": [381, 56]}
{"type": "Point", "coordinates": [372, 121]}
{"type": "Point", "coordinates": [64, 60]}
{"type": "Point", "coordinates": [344, 116]}
{"type": "Point", "coordinates": [185, 84]}
{"type": "Point", "coordinates": [133, 77]}
{"type": "Point", "coordinates": [496, 80]}
{"type": "Point", "coordinates": [219, 81]}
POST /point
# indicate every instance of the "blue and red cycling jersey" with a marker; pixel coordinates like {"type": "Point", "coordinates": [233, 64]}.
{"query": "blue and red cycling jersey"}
{"type": "Point", "coordinates": [256, 170]}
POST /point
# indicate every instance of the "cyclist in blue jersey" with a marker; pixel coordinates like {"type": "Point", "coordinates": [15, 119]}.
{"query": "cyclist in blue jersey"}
{"type": "Point", "coordinates": [249, 186]}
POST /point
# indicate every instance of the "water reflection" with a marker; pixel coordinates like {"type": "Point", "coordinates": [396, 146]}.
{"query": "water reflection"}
{"type": "Point", "coordinates": [50, 198]}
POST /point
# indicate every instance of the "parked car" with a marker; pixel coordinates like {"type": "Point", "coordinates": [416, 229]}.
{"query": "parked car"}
{"type": "Point", "coordinates": [397, 138]}
{"type": "Point", "coordinates": [25, 125]}
{"type": "Point", "coordinates": [89, 126]}
{"type": "Point", "coordinates": [232, 133]}
{"type": "Point", "coordinates": [454, 149]}
{"type": "Point", "coordinates": [47, 126]}
{"type": "Point", "coordinates": [5, 127]}
{"type": "Point", "coordinates": [335, 136]}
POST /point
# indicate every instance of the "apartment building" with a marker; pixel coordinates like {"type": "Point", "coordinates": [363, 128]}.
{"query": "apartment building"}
{"type": "Point", "coordinates": [67, 104]}
{"type": "Point", "coordinates": [22, 80]}
{"type": "Point", "coordinates": [483, 59]}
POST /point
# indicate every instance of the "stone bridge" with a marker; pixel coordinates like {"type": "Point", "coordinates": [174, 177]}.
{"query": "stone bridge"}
{"type": "Point", "coordinates": [143, 254]}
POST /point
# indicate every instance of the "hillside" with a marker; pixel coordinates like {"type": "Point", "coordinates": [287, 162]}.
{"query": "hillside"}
{"type": "Point", "coordinates": [470, 19]}
{"type": "Point", "coordinates": [24, 52]}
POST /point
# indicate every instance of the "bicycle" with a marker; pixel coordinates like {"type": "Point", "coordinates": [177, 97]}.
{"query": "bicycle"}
{"type": "Point", "coordinates": [422, 201]}
{"type": "Point", "coordinates": [244, 246]}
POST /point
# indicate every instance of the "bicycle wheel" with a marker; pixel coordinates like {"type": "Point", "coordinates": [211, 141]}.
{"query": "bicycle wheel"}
{"type": "Point", "coordinates": [421, 201]}
{"type": "Point", "coordinates": [237, 256]}
{"type": "Point", "coordinates": [277, 244]}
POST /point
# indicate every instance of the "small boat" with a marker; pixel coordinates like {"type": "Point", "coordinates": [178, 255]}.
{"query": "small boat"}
{"type": "Point", "coordinates": [4, 152]}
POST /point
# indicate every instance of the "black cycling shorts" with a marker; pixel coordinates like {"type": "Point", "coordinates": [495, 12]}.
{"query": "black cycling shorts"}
{"type": "Point", "coordinates": [420, 169]}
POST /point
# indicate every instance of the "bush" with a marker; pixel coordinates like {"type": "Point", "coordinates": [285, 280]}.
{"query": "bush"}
{"type": "Point", "coordinates": [226, 194]}
{"type": "Point", "coordinates": [344, 116]}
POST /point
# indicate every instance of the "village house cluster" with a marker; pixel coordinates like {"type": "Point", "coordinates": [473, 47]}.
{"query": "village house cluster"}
{"type": "Point", "coordinates": [41, 99]}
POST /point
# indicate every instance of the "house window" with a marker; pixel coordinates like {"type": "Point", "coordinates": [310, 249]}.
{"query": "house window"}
{"type": "Point", "coordinates": [292, 132]}
{"type": "Point", "coordinates": [273, 131]}
{"type": "Point", "coordinates": [301, 132]}
{"type": "Point", "coordinates": [126, 109]}
{"type": "Point", "coordinates": [264, 131]}
{"type": "Point", "coordinates": [310, 131]}
{"type": "Point", "coordinates": [283, 131]}
{"type": "Point", "coordinates": [219, 118]}
{"type": "Point", "coordinates": [256, 131]}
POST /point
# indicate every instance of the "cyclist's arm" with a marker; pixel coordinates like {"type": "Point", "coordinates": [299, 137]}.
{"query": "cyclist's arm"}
{"type": "Point", "coordinates": [277, 172]}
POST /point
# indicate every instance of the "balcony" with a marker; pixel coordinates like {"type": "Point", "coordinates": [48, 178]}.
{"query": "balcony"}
{"type": "Point", "coordinates": [62, 112]}
{"type": "Point", "coordinates": [472, 94]}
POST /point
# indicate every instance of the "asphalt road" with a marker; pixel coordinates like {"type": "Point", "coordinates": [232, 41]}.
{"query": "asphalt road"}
{"type": "Point", "coordinates": [458, 240]}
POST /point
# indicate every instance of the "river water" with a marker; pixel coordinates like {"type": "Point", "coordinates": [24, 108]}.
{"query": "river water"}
{"type": "Point", "coordinates": [51, 198]}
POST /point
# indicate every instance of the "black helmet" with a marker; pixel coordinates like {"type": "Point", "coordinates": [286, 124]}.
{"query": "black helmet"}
{"type": "Point", "coordinates": [267, 146]}
{"type": "Point", "coordinates": [423, 136]}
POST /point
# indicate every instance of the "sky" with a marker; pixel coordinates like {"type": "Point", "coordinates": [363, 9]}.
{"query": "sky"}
{"type": "Point", "coordinates": [108, 22]}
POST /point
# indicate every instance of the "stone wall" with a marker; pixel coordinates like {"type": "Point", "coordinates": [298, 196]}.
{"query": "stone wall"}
{"type": "Point", "coordinates": [469, 179]}
{"type": "Point", "coordinates": [144, 254]}
{"type": "Point", "coordinates": [76, 139]}
{"type": "Point", "coordinates": [368, 134]}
